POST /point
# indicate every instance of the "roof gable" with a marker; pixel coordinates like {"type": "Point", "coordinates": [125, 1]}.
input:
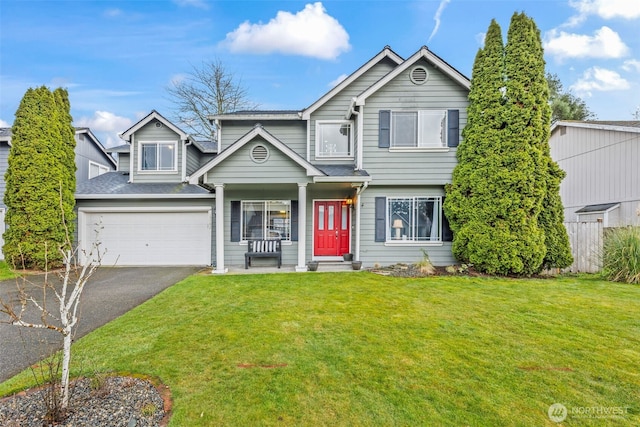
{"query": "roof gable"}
{"type": "Point", "coordinates": [154, 115]}
{"type": "Point", "coordinates": [423, 53]}
{"type": "Point", "coordinates": [385, 53]}
{"type": "Point", "coordinates": [258, 130]}
{"type": "Point", "coordinates": [98, 144]}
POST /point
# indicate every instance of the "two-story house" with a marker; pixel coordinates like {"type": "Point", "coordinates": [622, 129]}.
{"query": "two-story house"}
{"type": "Point", "coordinates": [90, 155]}
{"type": "Point", "coordinates": [361, 171]}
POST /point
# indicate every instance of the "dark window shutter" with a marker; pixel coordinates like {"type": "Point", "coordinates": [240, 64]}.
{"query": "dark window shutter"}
{"type": "Point", "coordinates": [236, 215]}
{"type": "Point", "coordinates": [447, 234]}
{"type": "Point", "coordinates": [453, 133]}
{"type": "Point", "coordinates": [381, 219]}
{"type": "Point", "coordinates": [384, 129]}
{"type": "Point", "coordinates": [294, 220]}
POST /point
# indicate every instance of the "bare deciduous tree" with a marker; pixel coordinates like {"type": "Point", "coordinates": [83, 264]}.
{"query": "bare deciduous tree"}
{"type": "Point", "coordinates": [208, 90]}
{"type": "Point", "coordinates": [66, 295]}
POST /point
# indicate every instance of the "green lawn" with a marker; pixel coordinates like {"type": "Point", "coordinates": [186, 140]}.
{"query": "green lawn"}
{"type": "Point", "coordinates": [354, 349]}
{"type": "Point", "coordinates": [6, 272]}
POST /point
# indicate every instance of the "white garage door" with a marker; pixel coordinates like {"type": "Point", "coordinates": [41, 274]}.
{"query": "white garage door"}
{"type": "Point", "coordinates": [150, 237]}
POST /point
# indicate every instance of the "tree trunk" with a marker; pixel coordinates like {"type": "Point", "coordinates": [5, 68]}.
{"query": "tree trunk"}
{"type": "Point", "coordinates": [64, 381]}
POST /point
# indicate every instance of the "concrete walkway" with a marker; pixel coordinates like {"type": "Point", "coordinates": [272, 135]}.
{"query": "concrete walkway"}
{"type": "Point", "coordinates": [110, 293]}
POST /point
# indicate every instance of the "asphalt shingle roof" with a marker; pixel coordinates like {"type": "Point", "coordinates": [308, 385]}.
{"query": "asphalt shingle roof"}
{"type": "Point", "coordinates": [117, 183]}
{"type": "Point", "coordinates": [341, 170]}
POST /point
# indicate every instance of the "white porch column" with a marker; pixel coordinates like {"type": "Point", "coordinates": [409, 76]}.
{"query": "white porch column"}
{"type": "Point", "coordinates": [302, 227]}
{"type": "Point", "coordinates": [219, 230]}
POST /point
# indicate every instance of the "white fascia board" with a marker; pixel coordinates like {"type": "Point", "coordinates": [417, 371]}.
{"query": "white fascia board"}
{"type": "Point", "coordinates": [425, 53]}
{"type": "Point", "coordinates": [358, 179]}
{"type": "Point", "coordinates": [595, 126]}
{"type": "Point", "coordinates": [145, 209]}
{"type": "Point", "coordinates": [126, 135]}
{"type": "Point", "coordinates": [258, 116]}
{"type": "Point", "coordinates": [385, 53]}
{"type": "Point", "coordinates": [143, 196]}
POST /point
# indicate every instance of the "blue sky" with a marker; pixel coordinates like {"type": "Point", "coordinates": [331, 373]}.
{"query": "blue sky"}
{"type": "Point", "coordinates": [116, 58]}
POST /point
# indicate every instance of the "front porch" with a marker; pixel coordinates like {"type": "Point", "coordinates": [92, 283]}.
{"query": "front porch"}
{"type": "Point", "coordinates": [323, 267]}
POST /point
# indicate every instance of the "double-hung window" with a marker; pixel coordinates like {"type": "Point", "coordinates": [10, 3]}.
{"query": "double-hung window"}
{"type": "Point", "coordinates": [158, 156]}
{"type": "Point", "coordinates": [334, 139]}
{"type": "Point", "coordinates": [269, 219]}
{"type": "Point", "coordinates": [419, 129]}
{"type": "Point", "coordinates": [414, 219]}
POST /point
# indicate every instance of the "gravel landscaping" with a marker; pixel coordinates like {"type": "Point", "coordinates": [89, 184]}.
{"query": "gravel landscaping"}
{"type": "Point", "coordinates": [99, 401]}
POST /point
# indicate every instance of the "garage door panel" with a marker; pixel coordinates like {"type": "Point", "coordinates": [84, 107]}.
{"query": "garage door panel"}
{"type": "Point", "coordinates": [152, 238]}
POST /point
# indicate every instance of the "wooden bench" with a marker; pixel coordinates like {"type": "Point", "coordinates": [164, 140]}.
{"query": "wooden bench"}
{"type": "Point", "coordinates": [263, 249]}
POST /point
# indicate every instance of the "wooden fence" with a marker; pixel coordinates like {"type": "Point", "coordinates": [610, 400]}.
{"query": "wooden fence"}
{"type": "Point", "coordinates": [586, 240]}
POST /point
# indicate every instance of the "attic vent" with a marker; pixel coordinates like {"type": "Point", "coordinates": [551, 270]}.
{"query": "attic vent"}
{"type": "Point", "coordinates": [419, 75]}
{"type": "Point", "coordinates": [158, 124]}
{"type": "Point", "coordinates": [259, 154]}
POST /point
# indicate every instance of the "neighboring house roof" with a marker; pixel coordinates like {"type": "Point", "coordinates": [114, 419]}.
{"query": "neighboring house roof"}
{"type": "Point", "coordinates": [385, 53]}
{"type": "Point", "coordinates": [153, 115]}
{"type": "Point", "coordinates": [116, 185]}
{"type": "Point", "coordinates": [97, 143]}
{"type": "Point", "coordinates": [5, 135]}
{"type": "Point", "coordinates": [613, 125]}
{"type": "Point", "coordinates": [423, 53]}
{"type": "Point", "coordinates": [605, 207]}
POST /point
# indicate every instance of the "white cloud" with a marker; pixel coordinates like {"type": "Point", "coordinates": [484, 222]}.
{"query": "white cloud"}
{"type": "Point", "coordinates": [599, 79]}
{"type": "Point", "coordinates": [631, 65]}
{"type": "Point", "coordinates": [606, 9]}
{"type": "Point", "coordinates": [605, 43]}
{"type": "Point", "coordinates": [480, 39]}
{"type": "Point", "coordinates": [338, 80]}
{"type": "Point", "coordinates": [310, 32]}
{"type": "Point", "coordinates": [113, 13]}
{"type": "Point", "coordinates": [4, 124]}
{"type": "Point", "coordinates": [106, 126]}
{"type": "Point", "coordinates": [436, 17]}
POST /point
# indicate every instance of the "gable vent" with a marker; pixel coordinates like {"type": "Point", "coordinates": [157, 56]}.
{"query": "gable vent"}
{"type": "Point", "coordinates": [419, 75]}
{"type": "Point", "coordinates": [259, 154]}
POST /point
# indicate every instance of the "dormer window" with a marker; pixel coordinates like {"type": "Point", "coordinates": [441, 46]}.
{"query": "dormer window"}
{"type": "Point", "coordinates": [158, 156]}
{"type": "Point", "coordinates": [333, 139]}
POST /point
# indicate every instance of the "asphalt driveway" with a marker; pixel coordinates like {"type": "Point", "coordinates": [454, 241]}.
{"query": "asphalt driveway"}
{"type": "Point", "coordinates": [110, 293]}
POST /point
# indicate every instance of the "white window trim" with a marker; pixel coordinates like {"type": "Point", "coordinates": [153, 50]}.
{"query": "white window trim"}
{"type": "Point", "coordinates": [389, 241]}
{"type": "Point", "coordinates": [442, 149]}
{"type": "Point", "coordinates": [242, 202]}
{"type": "Point", "coordinates": [156, 171]}
{"type": "Point", "coordinates": [100, 166]}
{"type": "Point", "coordinates": [319, 154]}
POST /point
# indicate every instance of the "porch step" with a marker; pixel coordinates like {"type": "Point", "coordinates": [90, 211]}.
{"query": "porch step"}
{"type": "Point", "coordinates": [335, 266]}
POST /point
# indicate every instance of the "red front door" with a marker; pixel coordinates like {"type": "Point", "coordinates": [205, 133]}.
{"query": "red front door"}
{"type": "Point", "coordinates": [331, 228]}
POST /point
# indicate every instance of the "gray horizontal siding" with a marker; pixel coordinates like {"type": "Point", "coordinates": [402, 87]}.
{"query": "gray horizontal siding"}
{"type": "Point", "coordinates": [151, 133]}
{"type": "Point", "coordinates": [601, 167]}
{"type": "Point", "coordinates": [4, 164]}
{"type": "Point", "coordinates": [336, 108]}
{"type": "Point", "coordinates": [291, 132]}
{"type": "Point", "coordinates": [86, 151]}
{"type": "Point", "coordinates": [373, 252]}
{"type": "Point", "coordinates": [424, 167]}
{"type": "Point", "coordinates": [239, 168]}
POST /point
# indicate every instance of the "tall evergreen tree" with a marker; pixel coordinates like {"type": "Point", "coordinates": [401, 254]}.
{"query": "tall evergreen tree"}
{"type": "Point", "coordinates": [504, 196]}
{"type": "Point", "coordinates": [39, 179]}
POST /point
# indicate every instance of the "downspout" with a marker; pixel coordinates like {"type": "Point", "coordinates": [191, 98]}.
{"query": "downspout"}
{"type": "Point", "coordinates": [132, 151]}
{"type": "Point", "coordinates": [358, 205]}
{"type": "Point", "coordinates": [184, 157]}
